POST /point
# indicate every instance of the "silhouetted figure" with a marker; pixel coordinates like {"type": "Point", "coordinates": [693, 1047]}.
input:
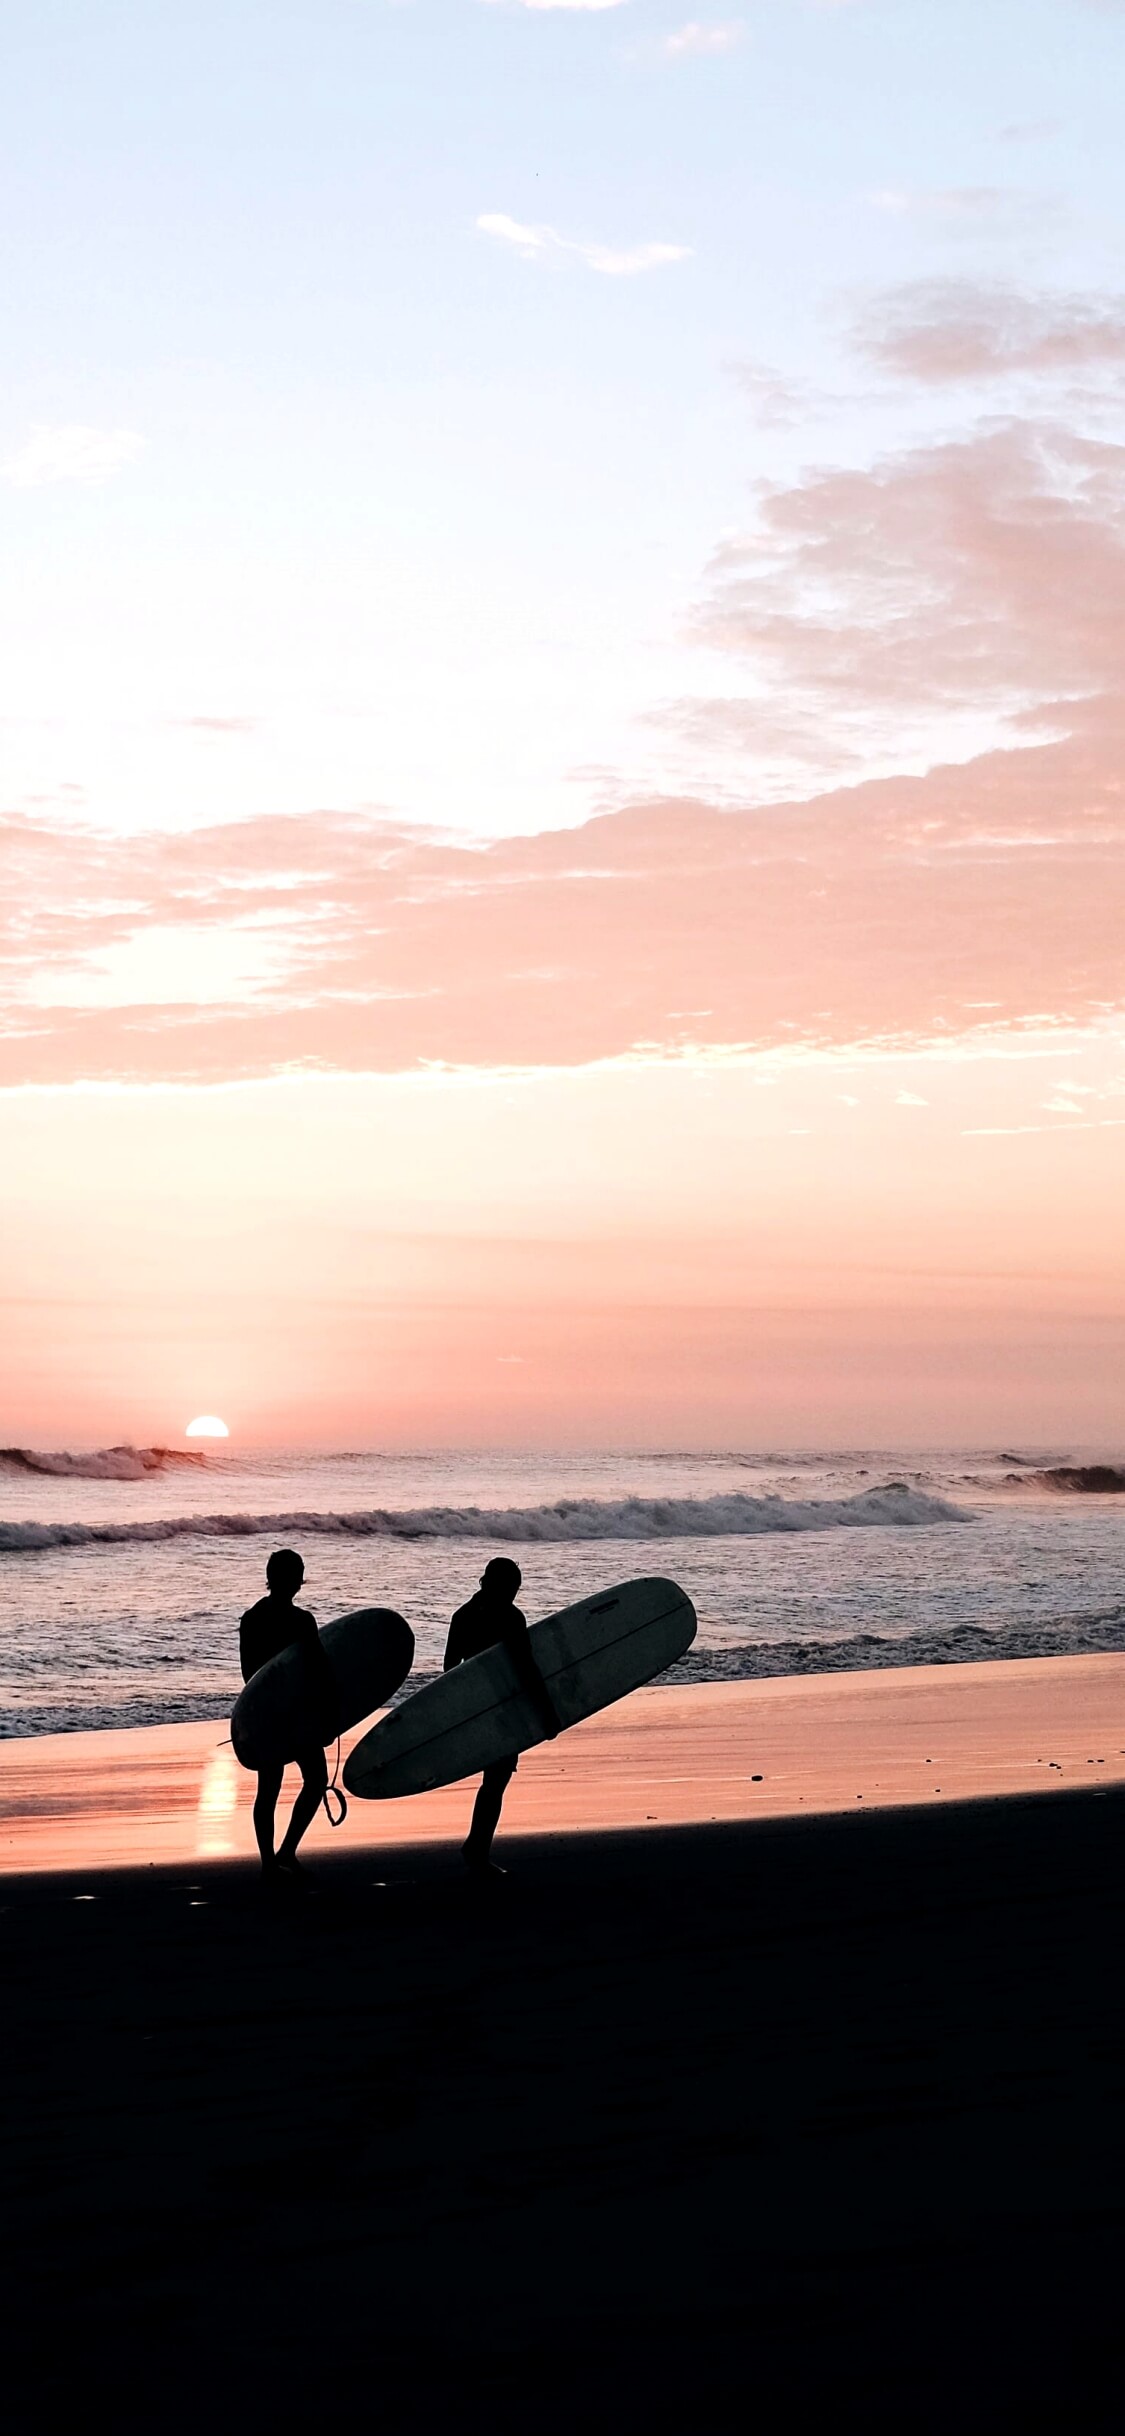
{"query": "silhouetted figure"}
{"type": "Point", "coordinates": [275, 1624]}
{"type": "Point", "coordinates": [488, 1617]}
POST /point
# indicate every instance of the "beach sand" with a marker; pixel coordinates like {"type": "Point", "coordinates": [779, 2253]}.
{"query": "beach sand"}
{"type": "Point", "coordinates": [682, 2126]}
{"type": "Point", "coordinates": [669, 1755]}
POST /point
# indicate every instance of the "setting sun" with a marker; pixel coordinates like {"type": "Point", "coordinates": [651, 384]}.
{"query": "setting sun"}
{"type": "Point", "coordinates": [207, 1425]}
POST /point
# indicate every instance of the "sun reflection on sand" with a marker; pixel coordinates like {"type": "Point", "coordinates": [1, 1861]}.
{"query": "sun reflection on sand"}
{"type": "Point", "coordinates": [218, 1800]}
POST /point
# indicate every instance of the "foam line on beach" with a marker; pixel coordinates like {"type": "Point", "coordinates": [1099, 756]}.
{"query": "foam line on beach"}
{"type": "Point", "coordinates": [574, 1519]}
{"type": "Point", "coordinates": [1088, 1635]}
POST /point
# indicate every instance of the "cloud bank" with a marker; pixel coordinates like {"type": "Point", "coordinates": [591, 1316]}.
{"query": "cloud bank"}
{"type": "Point", "coordinates": [976, 578]}
{"type": "Point", "coordinates": [897, 911]}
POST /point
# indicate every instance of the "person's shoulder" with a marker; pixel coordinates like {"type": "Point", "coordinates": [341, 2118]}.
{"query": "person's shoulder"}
{"type": "Point", "coordinates": [519, 1619]}
{"type": "Point", "coordinates": [461, 1614]}
{"type": "Point", "coordinates": [259, 1607]}
{"type": "Point", "coordinates": [304, 1615]}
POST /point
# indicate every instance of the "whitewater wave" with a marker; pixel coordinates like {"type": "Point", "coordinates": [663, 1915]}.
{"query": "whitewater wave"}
{"type": "Point", "coordinates": [109, 1463]}
{"type": "Point", "coordinates": [572, 1518]}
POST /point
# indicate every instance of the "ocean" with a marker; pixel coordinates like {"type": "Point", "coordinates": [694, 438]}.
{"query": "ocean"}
{"type": "Point", "coordinates": [123, 1573]}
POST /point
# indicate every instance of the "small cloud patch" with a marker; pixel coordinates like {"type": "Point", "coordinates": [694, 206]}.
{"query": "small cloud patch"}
{"type": "Point", "coordinates": [613, 262]}
{"type": "Point", "coordinates": [699, 41]}
{"type": "Point", "coordinates": [70, 452]}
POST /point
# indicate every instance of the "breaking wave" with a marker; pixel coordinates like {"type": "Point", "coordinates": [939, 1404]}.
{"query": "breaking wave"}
{"type": "Point", "coordinates": [110, 1463]}
{"type": "Point", "coordinates": [1085, 1479]}
{"type": "Point", "coordinates": [577, 1518]}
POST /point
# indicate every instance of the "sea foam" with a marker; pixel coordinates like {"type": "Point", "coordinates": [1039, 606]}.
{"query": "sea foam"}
{"type": "Point", "coordinates": [571, 1518]}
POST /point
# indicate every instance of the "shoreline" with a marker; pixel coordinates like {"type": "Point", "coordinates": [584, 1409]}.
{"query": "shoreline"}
{"type": "Point", "coordinates": [669, 1756]}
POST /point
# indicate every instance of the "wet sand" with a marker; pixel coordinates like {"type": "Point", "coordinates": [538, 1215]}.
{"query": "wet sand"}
{"type": "Point", "coordinates": [678, 2127]}
{"type": "Point", "coordinates": [668, 1756]}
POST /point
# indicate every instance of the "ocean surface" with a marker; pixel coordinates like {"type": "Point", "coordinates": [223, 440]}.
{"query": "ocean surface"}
{"type": "Point", "coordinates": [123, 1573]}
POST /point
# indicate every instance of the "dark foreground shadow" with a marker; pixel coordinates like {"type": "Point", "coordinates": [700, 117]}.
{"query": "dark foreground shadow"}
{"type": "Point", "coordinates": [674, 2131]}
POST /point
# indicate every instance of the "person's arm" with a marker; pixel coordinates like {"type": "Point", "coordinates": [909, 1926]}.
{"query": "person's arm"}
{"type": "Point", "coordinates": [453, 1645]}
{"type": "Point", "coordinates": [518, 1645]}
{"type": "Point", "coordinates": [246, 1658]}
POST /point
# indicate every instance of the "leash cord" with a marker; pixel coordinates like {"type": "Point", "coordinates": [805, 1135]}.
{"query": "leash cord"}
{"type": "Point", "coordinates": [338, 1790]}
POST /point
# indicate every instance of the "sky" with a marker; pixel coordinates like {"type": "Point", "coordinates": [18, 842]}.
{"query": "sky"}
{"type": "Point", "coordinates": [562, 608]}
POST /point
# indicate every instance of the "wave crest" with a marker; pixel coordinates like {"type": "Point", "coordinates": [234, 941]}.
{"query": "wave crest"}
{"type": "Point", "coordinates": [1085, 1479]}
{"type": "Point", "coordinates": [109, 1463]}
{"type": "Point", "coordinates": [578, 1518]}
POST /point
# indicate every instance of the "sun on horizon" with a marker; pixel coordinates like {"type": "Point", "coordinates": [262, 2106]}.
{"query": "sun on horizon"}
{"type": "Point", "coordinates": [206, 1425]}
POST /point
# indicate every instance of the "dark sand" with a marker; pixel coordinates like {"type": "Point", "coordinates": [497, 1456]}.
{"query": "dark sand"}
{"type": "Point", "coordinates": [771, 2124]}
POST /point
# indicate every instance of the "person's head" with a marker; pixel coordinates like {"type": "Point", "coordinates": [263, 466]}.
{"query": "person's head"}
{"type": "Point", "coordinates": [501, 1578]}
{"type": "Point", "coordinates": [285, 1573]}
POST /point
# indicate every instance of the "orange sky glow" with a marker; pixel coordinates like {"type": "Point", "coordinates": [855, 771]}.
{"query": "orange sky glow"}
{"type": "Point", "coordinates": [785, 1122]}
{"type": "Point", "coordinates": [775, 1092]}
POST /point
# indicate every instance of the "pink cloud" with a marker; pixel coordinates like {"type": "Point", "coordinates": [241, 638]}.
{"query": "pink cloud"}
{"type": "Point", "coordinates": [888, 911]}
{"type": "Point", "coordinates": [940, 330]}
{"type": "Point", "coordinates": [775, 402]}
{"type": "Point", "coordinates": [986, 573]}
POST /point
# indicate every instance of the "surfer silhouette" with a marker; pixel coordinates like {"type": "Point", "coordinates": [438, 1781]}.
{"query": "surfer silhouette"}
{"type": "Point", "coordinates": [491, 1615]}
{"type": "Point", "coordinates": [274, 1624]}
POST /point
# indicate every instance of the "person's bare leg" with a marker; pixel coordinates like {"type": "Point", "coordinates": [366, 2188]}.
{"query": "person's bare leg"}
{"type": "Point", "coordinates": [486, 1814]}
{"type": "Point", "coordinates": [314, 1774]}
{"type": "Point", "coordinates": [265, 1804]}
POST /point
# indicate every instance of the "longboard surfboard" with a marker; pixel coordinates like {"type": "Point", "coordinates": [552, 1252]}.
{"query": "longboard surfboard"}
{"type": "Point", "coordinates": [588, 1655]}
{"type": "Point", "coordinates": [369, 1654]}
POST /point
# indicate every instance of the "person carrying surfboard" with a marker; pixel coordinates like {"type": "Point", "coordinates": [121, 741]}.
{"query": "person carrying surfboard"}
{"type": "Point", "coordinates": [491, 1615]}
{"type": "Point", "coordinates": [274, 1624]}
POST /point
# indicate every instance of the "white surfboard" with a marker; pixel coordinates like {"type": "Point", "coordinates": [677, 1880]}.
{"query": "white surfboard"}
{"type": "Point", "coordinates": [588, 1655]}
{"type": "Point", "coordinates": [369, 1654]}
